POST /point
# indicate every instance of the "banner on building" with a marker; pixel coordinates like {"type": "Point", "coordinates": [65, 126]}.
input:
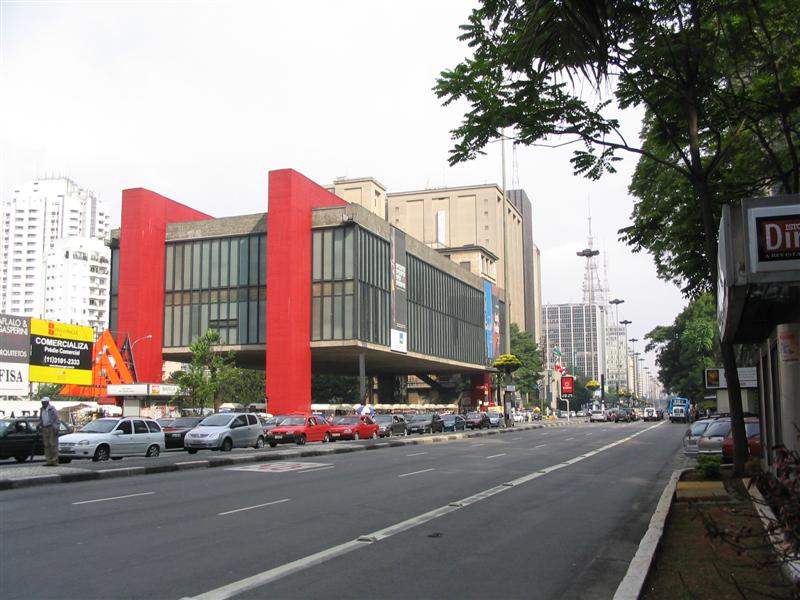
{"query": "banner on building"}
{"type": "Point", "coordinates": [60, 352]}
{"type": "Point", "coordinates": [488, 320]}
{"type": "Point", "coordinates": [15, 346]}
{"type": "Point", "coordinates": [715, 378]}
{"type": "Point", "coordinates": [399, 293]}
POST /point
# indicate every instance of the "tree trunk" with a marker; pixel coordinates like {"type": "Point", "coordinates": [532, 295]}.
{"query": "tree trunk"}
{"type": "Point", "coordinates": [740, 451]}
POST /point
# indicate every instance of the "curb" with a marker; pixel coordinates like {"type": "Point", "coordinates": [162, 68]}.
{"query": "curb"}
{"type": "Point", "coordinates": [631, 585]}
{"type": "Point", "coordinates": [36, 480]}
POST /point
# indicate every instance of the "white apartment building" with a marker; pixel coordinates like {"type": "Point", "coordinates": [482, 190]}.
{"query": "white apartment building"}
{"type": "Point", "coordinates": [616, 359]}
{"type": "Point", "coordinates": [578, 332]}
{"type": "Point", "coordinates": [77, 282]}
{"type": "Point", "coordinates": [32, 218]}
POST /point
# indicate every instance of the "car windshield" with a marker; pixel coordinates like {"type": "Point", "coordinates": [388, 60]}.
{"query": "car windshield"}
{"type": "Point", "coordinates": [383, 419]}
{"type": "Point", "coordinates": [100, 426]}
{"type": "Point", "coordinates": [185, 422]}
{"type": "Point", "coordinates": [421, 418]}
{"type": "Point", "coordinates": [699, 427]}
{"type": "Point", "coordinates": [293, 422]}
{"type": "Point", "coordinates": [4, 425]}
{"type": "Point", "coordinates": [448, 418]}
{"type": "Point", "coordinates": [347, 421]}
{"type": "Point", "coordinates": [497, 415]}
{"type": "Point", "coordinates": [216, 420]}
{"type": "Point", "coordinates": [276, 420]}
{"type": "Point", "coordinates": [718, 428]}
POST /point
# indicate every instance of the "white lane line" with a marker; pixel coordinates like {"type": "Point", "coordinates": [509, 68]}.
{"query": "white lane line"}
{"type": "Point", "coordinates": [415, 472]}
{"type": "Point", "coordinates": [417, 454]}
{"type": "Point", "coordinates": [513, 439]}
{"type": "Point", "coordinates": [114, 498]}
{"type": "Point", "coordinates": [364, 541]}
{"type": "Point", "coordinates": [588, 434]}
{"type": "Point", "coordinates": [317, 469]}
{"type": "Point", "coordinates": [230, 512]}
{"type": "Point", "coordinates": [539, 446]}
{"type": "Point", "coordinates": [496, 455]}
{"type": "Point", "coordinates": [481, 444]}
{"type": "Point", "coordinates": [568, 439]}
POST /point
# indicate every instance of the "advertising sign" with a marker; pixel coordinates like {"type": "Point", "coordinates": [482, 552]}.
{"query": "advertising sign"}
{"type": "Point", "coordinates": [60, 352]}
{"type": "Point", "coordinates": [715, 378]}
{"type": "Point", "coordinates": [15, 345]}
{"type": "Point", "coordinates": [774, 238]}
{"type": "Point", "coordinates": [567, 386]}
{"type": "Point", "coordinates": [399, 293]}
{"type": "Point", "coordinates": [488, 319]}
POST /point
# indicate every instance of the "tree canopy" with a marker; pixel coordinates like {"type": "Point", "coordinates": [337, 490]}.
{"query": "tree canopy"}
{"type": "Point", "coordinates": [527, 351]}
{"type": "Point", "coordinates": [210, 376]}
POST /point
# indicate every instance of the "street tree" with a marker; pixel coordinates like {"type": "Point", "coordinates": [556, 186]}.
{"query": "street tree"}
{"type": "Point", "coordinates": [717, 79]}
{"type": "Point", "coordinates": [209, 374]}
{"type": "Point", "coordinates": [527, 350]}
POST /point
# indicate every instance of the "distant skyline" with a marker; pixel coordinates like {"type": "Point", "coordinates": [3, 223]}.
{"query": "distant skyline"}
{"type": "Point", "coordinates": [198, 101]}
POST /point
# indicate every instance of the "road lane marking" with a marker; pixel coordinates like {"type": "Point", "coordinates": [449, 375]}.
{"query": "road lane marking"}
{"type": "Point", "coordinates": [496, 455]}
{"type": "Point", "coordinates": [230, 512]}
{"type": "Point", "coordinates": [539, 446]}
{"type": "Point", "coordinates": [114, 498]}
{"type": "Point", "coordinates": [415, 472]}
{"type": "Point", "coordinates": [314, 470]}
{"type": "Point", "coordinates": [363, 541]}
{"type": "Point", "coordinates": [569, 439]}
{"type": "Point", "coordinates": [417, 454]}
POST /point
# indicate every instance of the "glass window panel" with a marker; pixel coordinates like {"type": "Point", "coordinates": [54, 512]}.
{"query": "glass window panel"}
{"type": "Point", "coordinates": [327, 317]}
{"type": "Point", "coordinates": [243, 263]}
{"type": "Point", "coordinates": [205, 266]}
{"type": "Point", "coordinates": [187, 267]}
{"type": "Point", "coordinates": [185, 337]}
{"type": "Point", "coordinates": [214, 312]}
{"type": "Point", "coordinates": [338, 253]}
{"type": "Point", "coordinates": [223, 335]}
{"type": "Point", "coordinates": [233, 310]}
{"type": "Point", "coordinates": [233, 267]}
{"type": "Point", "coordinates": [348, 317]}
{"type": "Point", "coordinates": [348, 252]}
{"type": "Point", "coordinates": [252, 323]}
{"type": "Point", "coordinates": [233, 335]}
{"type": "Point", "coordinates": [224, 265]}
{"type": "Point", "coordinates": [316, 318]}
{"type": "Point", "coordinates": [215, 263]}
{"type": "Point", "coordinates": [194, 332]}
{"type": "Point", "coordinates": [196, 264]}
{"type": "Point", "coordinates": [169, 268]}
{"type": "Point", "coordinates": [316, 259]}
{"type": "Point", "coordinates": [179, 266]}
{"type": "Point", "coordinates": [176, 326]}
{"type": "Point", "coordinates": [262, 259]}
{"type": "Point", "coordinates": [327, 254]}
{"type": "Point", "coordinates": [204, 319]}
{"type": "Point", "coordinates": [167, 326]}
{"type": "Point", "coordinates": [262, 320]}
{"type": "Point", "coordinates": [254, 262]}
{"type": "Point", "coordinates": [338, 318]}
{"type": "Point", "coordinates": [243, 323]}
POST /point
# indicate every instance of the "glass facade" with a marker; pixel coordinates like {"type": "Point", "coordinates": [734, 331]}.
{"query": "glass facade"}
{"type": "Point", "coordinates": [218, 284]}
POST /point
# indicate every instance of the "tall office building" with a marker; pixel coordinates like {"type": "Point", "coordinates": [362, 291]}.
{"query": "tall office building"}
{"type": "Point", "coordinates": [576, 332]}
{"type": "Point", "coordinates": [34, 217]}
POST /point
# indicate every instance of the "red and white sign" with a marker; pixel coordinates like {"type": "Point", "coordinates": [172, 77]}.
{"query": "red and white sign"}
{"type": "Point", "coordinates": [774, 238]}
{"type": "Point", "coordinates": [567, 386]}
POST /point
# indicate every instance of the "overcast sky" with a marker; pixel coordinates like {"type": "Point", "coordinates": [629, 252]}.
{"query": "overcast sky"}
{"type": "Point", "coordinates": [199, 101]}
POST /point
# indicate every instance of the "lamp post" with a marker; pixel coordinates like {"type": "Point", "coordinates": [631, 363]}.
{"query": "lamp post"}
{"type": "Point", "coordinates": [641, 391]}
{"type": "Point", "coordinates": [636, 374]}
{"type": "Point", "coordinates": [626, 322]}
{"type": "Point", "coordinates": [617, 360]}
{"type": "Point", "coordinates": [149, 336]}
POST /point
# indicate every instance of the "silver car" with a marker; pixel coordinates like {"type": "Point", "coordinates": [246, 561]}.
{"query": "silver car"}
{"type": "Point", "coordinates": [224, 431]}
{"type": "Point", "coordinates": [102, 439]}
{"type": "Point", "coordinates": [710, 443]}
{"type": "Point", "coordinates": [692, 435]}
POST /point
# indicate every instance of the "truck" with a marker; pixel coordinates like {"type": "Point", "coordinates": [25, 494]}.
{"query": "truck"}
{"type": "Point", "coordinates": [678, 410]}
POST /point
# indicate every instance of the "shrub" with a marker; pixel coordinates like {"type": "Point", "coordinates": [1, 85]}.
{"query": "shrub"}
{"type": "Point", "coordinates": [709, 466]}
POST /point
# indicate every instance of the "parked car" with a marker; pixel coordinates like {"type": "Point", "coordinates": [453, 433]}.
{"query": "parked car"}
{"type": "Point", "coordinates": [176, 431]}
{"type": "Point", "coordinates": [478, 420]}
{"type": "Point", "coordinates": [426, 423]}
{"type": "Point", "coordinates": [389, 425]}
{"type": "Point", "coordinates": [454, 423]}
{"type": "Point", "coordinates": [165, 421]}
{"type": "Point", "coordinates": [581, 413]}
{"type": "Point", "coordinates": [21, 438]}
{"type": "Point", "coordinates": [114, 438]}
{"type": "Point", "coordinates": [271, 422]}
{"type": "Point", "coordinates": [752, 429]}
{"type": "Point", "coordinates": [354, 427]}
{"type": "Point", "coordinates": [710, 443]}
{"type": "Point", "coordinates": [300, 429]}
{"type": "Point", "coordinates": [597, 415]}
{"type": "Point", "coordinates": [693, 434]}
{"type": "Point", "coordinates": [650, 414]}
{"type": "Point", "coordinates": [623, 414]}
{"type": "Point", "coordinates": [497, 419]}
{"type": "Point", "coordinates": [224, 431]}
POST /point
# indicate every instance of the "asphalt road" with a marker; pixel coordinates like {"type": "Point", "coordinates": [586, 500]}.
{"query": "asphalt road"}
{"type": "Point", "coordinates": [545, 513]}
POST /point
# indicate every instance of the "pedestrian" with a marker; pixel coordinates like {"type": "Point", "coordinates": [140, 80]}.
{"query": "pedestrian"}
{"type": "Point", "coordinates": [49, 421]}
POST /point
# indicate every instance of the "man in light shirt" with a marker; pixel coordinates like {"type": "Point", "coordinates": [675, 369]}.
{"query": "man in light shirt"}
{"type": "Point", "coordinates": [49, 421]}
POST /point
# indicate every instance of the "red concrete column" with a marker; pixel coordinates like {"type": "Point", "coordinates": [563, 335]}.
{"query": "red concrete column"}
{"type": "Point", "coordinates": [145, 215]}
{"type": "Point", "coordinates": [291, 200]}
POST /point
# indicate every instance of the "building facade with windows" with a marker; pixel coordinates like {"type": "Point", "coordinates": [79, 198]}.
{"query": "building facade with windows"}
{"type": "Point", "coordinates": [577, 331]}
{"type": "Point", "coordinates": [315, 284]}
{"type": "Point", "coordinates": [32, 219]}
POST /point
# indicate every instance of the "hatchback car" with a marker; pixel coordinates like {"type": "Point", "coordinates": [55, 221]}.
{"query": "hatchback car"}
{"type": "Point", "coordinates": [224, 431]}
{"type": "Point", "coordinates": [710, 442]}
{"type": "Point", "coordinates": [454, 423]}
{"type": "Point", "coordinates": [752, 429]}
{"type": "Point", "coordinates": [21, 437]}
{"type": "Point", "coordinates": [271, 422]}
{"type": "Point", "coordinates": [176, 431]}
{"type": "Point", "coordinates": [693, 434]}
{"type": "Point", "coordinates": [114, 438]}
{"type": "Point", "coordinates": [478, 420]}
{"type": "Point", "coordinates": [623, 414]}
{"type": "Point", "coordinates": [597, 415]}
{"type": "Point", "coordinates": [300, 429]}
{"type": "Point", "coordinates": [390, 425]}
{"type": "Point", "coordinates": [426, 423]}
{"type": "Point", "coordinates": [354, 427]}
{"type": "Point", "coordinates": [497, 419]}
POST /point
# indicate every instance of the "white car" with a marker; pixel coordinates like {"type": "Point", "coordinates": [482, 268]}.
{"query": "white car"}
{"type": "Point", "coordinates": [102, 439]}
{"type": "Point", "coordinates": [597, 415]}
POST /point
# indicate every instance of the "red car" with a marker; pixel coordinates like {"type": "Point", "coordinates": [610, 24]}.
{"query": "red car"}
{"type": "Point", "coordinates": [299, 429]}
{"type": "Point", "coordinates": [354, 427]}
{"type": "Point", "coordinates": [752, 429]}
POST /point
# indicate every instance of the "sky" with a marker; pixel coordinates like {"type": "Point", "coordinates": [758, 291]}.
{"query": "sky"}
{"type": "Point", "coordinates": [198, 101]}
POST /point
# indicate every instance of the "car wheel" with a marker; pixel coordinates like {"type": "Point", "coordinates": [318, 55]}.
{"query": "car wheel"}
{"type": "Point", "coordinates": [273, 444]}
{"type": "Point", "coordinates": [226, 446]}
{"type": "Point", "coordinates": [101, 453]}
{"type": "Point", "coordinates": [153, 451]}
{"type": "Point", "coordinates": [356, 437]}
{"type": "Point", "coordinates": [259, 443]}
{"type": "Point", "coordinates": [388, 433]}
{"type": "Point", "coordinates": [374, 435]}
{"type": "Point", "coordinates": [327, 438]}
{"type": "Point", "coordinates": [301, 441]}
{"type": "Point", "coordinates": [192, 450]}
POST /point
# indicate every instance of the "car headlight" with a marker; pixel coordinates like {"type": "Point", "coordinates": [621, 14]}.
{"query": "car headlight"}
{"type": "Point", "coordinates": [213, 436]}
{"type": "Point", "coordinates": [348, 431]}
{"type": "Point", "coordinates": [84, 443]}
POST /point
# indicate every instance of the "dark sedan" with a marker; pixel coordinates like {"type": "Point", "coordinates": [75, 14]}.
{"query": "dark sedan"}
{"type": "Point", "coordinates": [426, 423]}
{"type": "Point", "coordinates": [176, 431]}
{"type": "Point", "coordinates": [20, 437]}
{"type": "Point", "coordinates": [391, 425]}
{"type": "Point", "coordinates": [478, 420]}
{"type": "Point", "coordinates": [454, 423]}
{"type": "Point", "coordinates": [623, 414]}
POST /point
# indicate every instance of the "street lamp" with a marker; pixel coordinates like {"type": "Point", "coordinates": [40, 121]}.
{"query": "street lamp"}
{"type": "Point", "coordinates": [617, 360]}
{"type": "Point", "coordinates": [149, 336]}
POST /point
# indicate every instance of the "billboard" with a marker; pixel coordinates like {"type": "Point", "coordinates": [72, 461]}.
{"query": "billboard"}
{"type": "Point", "coordinates": [715, 378]}
{"type": "Point", "coordinates": [15, 346]}
{"type": "Point", "coordinates": [399, 293]}
{"type": "Point", "coordinates": [567, 386]}
{"type": "Point", "coordinates": [60, 352]}
{"type": "Point", "coordinates": [774, 238]}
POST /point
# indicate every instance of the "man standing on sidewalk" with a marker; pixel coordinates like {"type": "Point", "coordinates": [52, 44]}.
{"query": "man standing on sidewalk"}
{"type": "Point", "coordinates": [48, 419]}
